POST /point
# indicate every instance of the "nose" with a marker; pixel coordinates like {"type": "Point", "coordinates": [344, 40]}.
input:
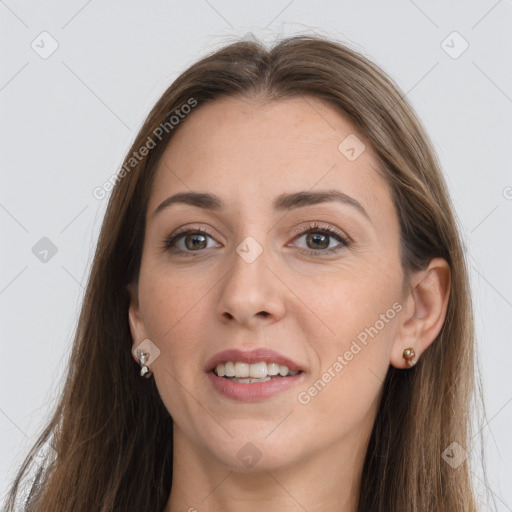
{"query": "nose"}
{"type": "Point", "coordinates": [251, 292]}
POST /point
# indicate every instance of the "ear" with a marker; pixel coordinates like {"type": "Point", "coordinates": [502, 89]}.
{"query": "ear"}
{"type": "Point", "coordinates": [424, 311]}
{"type": "Point", "coordinates": [137, 326]}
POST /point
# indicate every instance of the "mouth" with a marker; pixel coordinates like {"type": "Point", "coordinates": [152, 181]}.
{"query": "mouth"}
{"type": "Point", "coordinates": [245, 373]}
{"type": "Point", "coordinates": [252, 376]}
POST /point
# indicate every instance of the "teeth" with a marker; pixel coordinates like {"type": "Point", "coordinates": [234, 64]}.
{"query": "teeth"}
{"type": "Point", "coordinates": [272, 368]}
{"type": "Point", "coordinates": [241, 370]}
{"type": "Point", "coordinates": [255, 372]}
{"type": "Point", "coordinates": [261, 380]}
{"type": "Point", "coordinates": [229, 369]}
{"type": "Point", "coordinates": [250, 381]}
{"type": "Point", "coordinates": [221, 370]}
{"type": "Point", "coordinates": [258, 370]}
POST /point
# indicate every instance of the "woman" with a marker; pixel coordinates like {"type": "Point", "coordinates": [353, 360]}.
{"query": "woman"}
{"type": "Point", "coordinates": [281, 264]}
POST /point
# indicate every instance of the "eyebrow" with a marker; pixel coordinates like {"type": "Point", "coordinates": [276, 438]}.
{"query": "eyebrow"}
{"type": "Point", "coordinates": [283, 202]}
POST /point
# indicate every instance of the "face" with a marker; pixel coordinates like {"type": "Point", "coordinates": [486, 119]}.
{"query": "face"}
{"type": "Point", "coordinates": [309, 284]}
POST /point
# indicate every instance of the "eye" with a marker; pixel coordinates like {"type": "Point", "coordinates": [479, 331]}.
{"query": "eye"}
{"type": "Point", "coordinates": [319, 236]}
{"type": "Point", "coordinates": [194, 239]}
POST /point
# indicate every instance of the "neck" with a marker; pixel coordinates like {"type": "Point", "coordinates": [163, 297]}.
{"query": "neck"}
{"type": "Point", "coordinates": [322, 481]}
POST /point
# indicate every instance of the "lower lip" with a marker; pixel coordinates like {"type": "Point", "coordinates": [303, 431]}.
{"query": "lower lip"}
{"type": "Point", "coordinates": [255, 391]}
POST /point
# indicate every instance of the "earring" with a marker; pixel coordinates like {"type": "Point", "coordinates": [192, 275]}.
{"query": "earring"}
{"type": "Point", "coordinates": [144, 370]}
{"type": "Point", "coordinates": [409, 356]}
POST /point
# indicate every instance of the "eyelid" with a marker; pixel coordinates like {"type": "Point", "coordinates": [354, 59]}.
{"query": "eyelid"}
{"type": "Point", "coordinates": [312, 225]}
{"type": "Point", "coordinates": [170, 240]}
{"type": "Point", "coordinates": [345, 241]}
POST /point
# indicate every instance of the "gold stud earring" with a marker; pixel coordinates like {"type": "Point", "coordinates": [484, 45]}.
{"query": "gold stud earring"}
{"type": "Point", "coordinates": [409, 356]}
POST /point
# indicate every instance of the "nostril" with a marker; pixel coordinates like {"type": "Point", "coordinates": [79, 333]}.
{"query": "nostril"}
{"type": "Point", "coordinates": [261, 313]}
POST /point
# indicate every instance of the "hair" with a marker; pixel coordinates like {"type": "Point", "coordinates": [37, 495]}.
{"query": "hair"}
{"type": "Point", "coordinates": [110, 430]}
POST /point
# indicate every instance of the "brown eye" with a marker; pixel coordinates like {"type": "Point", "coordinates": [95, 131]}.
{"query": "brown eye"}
{"type": "Point", "coordinates": [197, 241]}
{"type": "Point", "coordinates": [318, 240]}
{"type": "Point", "coordinates": [193, 241]}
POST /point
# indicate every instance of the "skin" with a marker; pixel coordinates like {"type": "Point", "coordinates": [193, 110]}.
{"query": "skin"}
{"type": "Point", "coordinates": [309, 308]}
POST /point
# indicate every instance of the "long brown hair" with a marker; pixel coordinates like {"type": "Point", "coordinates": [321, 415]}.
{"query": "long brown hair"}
{"type": "Point", "coordinates": [112, 434]}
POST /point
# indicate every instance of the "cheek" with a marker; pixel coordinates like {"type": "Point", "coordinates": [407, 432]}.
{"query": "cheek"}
{"type": "Point", "coordinates": [166, 301]}
{"type": "Point", "coordinates": [360, 317]}
{"type": "Point", "coordinates": [344, 389]}
{"type": "Point", "coordinates": [348, 303]}
{"type": "Point", "coordinates": [175, 320]}
{"type": "Point", "coordinates": [343, 406]}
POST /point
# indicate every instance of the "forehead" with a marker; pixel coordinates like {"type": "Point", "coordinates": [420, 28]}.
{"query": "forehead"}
{"type": "Point", "coordinates": [250, 151]}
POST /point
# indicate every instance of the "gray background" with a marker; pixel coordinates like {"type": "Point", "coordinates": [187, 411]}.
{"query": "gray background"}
{"type": "Point", "coordinates": [68, 119]}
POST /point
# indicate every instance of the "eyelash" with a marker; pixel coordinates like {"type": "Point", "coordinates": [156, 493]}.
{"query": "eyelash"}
{"type": "Point", "coordinates": [312, 227]}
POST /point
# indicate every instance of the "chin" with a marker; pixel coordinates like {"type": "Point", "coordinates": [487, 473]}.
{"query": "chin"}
{"type": "Point", "coordinates": [250, 453]}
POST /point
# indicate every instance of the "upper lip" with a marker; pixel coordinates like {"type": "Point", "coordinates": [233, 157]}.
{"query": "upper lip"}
{"type": "Point", "coordinates": [252, 356]}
